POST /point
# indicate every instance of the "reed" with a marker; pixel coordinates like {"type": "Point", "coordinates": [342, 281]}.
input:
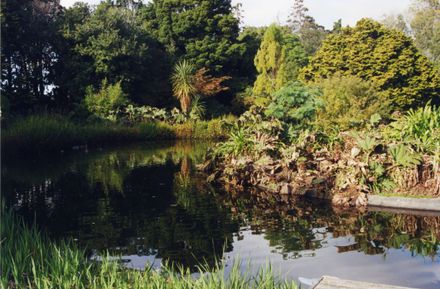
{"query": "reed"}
{"type": "Point", "coordinates": [31, 260]}
{"type": "Point", "coordinates": [51, 133]}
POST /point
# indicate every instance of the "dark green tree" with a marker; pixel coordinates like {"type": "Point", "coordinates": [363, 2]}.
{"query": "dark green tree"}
{"type": "Point", "coordinates": [120, 49]}
{"type": "Point", "coordinates": [29, 52]}
{"type": "Point", "coordinates": [251, 38]}
{"type": "Point", "coordinates": [386, 58]}
{"type": "Point", "coordinates": [202, 31]}
{"type": "Point", "coordinates": [75, 71]}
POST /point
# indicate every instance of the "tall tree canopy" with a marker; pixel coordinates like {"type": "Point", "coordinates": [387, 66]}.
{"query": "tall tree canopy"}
{"type": "Point", "coordinates": [29, 52]}
{"type": "Point", "coordinates": [204, 31]}
{"type": "Point", "coordinates": [277, 61]}
{"type": "Point", "coordinates": [251, 38]}
{"type": "Point", "coordinates": [311, 33]}
{"type": "Point", "coordinates": [122, 50]}
{"type": "Point", "coordinates": [425, 25]}
{"type": "Point", "coordinates": [385, 57]}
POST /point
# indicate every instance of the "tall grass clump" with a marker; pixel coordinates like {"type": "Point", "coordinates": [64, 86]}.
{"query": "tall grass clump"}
{"type": "Point", "coordinates": [31, 260]}
{"type": "Point", "coordinates": [36, 132]}
{"type": "Point", "coordinates": [52, 133]}
{"type": "Point", "coordinates": [418, 127]}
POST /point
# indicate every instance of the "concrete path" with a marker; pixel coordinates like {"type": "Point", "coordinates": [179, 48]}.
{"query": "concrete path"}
{"type": "Point", "coordinates": [432, 205]}
{"type": "Point", "coordinates": [328, 282]}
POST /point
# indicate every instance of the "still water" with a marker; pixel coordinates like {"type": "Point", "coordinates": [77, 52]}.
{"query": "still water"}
{"type": "Point", "coordinates": [147, 203]}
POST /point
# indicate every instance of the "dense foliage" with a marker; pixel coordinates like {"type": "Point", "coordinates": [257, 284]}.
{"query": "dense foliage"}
{"type": "Point", "coordinates": [120, 50]}
{"type": "Point", "coordinates": [294, 104]}
{"type": "Point", "coordinates": [348, 102]}
{"type": "Point", "coordinates": [277, 61]}
{"type": "Point", "coordinates": [204, 31]}
{"type": "Point", "coordinates": [386, 58]}
{"type": "Point", "coordinates": [29, 42]}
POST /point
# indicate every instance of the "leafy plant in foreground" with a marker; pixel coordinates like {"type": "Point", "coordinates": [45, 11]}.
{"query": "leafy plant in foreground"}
{"type": "Point", "coordinates": [31, 260]}
{"type": "Point", "coordinates": [403, 156]}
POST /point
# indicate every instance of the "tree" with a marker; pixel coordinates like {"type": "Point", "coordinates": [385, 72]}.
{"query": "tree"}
{"type": "Point", "coordinates": [119, 49]}
{"type": "Point", "coordinates": [277, 61]}
{"type": "Point", "coordinates": [207, 85]}
{"type": "Point", "coordinates": [337, 26]}
{"type": "Point", "coordinates": [75, 72]}
{"type": "Point", "coordinates": [183, 84]}
{"type": "Point", "coordinates": [347, 102]}
{"type": "Point", "coordinates": [269, 62]}
{"type": "Point", "coordinates": [386, 58]}
{"type": "Point", "coordinates": [297, 16]}
{"type": "Point", "coordinates": [202, 31]}
{"type": "Point", "coordinates": [425, 25]}
{"type": "Point", "coordinates": [397, 22]}
{"type": "Point", "coordinates": [251, 38]}
{"type": "Point", "coordinates": [29, 52]}
{"type": "Point", "coordinates": [310, 33]}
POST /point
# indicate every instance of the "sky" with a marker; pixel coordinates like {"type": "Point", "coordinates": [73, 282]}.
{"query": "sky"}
{"type": "Point", "coordinates": [325, 12]}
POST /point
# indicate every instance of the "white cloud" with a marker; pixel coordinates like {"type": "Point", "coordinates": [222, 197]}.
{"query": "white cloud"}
{"type": "Point", "coordinates": [326, 12]}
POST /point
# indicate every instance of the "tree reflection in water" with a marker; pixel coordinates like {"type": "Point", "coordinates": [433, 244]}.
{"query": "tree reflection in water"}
{"type": "Point", "coordinates": [295, 228]}
{"type": "Point", "coordinates": [148, 200]}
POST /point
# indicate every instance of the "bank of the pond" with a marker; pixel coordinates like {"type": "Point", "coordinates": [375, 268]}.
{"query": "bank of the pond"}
{"type": "Point", "coordinates": [50, 133]}
{"type": "Point", "coordinates": [31, 260]}
{"type": "Point", "coordinates": [401, 158]}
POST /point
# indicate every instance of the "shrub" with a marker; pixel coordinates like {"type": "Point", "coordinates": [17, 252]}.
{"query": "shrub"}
{"type": "Point", "coordinates": [105, 102]}
{"type": "Point", "coordinates": [136, 114]}
{"type": "Point", "coordinates": [156, 130]}
{"type": "Point", "coordinates": [295, 104]}
{"type": "Point", "coordinates": [198, 109]}
{"type": "Point", "coordinates": [347, 102]}
{"type": "Point", "coordinates": [278, 60]}
{"type": "Point", "coordinates": [420, 128]}
{"type": "Point", "coordinates": [386, 58]}
{"type": "Point", "coordinates": [252, 134]}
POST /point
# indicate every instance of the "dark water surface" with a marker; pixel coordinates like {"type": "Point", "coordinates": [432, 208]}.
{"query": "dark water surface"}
{"type": "Point", "coordinates": [146, 203]}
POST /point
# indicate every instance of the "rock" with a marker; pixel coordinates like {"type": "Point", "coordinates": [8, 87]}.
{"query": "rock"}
{"type": "Point", "coordinates": [286, 189]}
{"type": "Point", "coordinates": [361, 200]}
{"type": "Point", "coordinates": [336, 200]}
{"type": "Point", "coordinates": [355, 152]}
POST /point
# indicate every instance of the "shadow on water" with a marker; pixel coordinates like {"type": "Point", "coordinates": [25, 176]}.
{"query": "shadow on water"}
{"type": "Point", "coordinates": [141, 200]}
{"type": "Point", "coordinates": [146, 200]}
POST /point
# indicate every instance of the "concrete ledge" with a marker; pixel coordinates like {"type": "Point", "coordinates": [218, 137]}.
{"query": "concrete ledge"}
{"type": "Point", "coordinates": [405, 211]}
{"type": "Point", "coordinates": [432, 205]}
{"type": "Point", "coordinates": [328, 282]}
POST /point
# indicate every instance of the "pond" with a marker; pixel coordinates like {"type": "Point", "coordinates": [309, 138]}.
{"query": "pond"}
{"type": "Point", "coordinates": [147, 203]}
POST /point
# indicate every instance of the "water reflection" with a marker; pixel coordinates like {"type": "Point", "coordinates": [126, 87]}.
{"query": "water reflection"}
{"type": "Point", "coordinates": [132, 201]}
{"type": "Point", "coordinates": [296, 228]}
{"type": "Point", "coordinates": [147, 203]}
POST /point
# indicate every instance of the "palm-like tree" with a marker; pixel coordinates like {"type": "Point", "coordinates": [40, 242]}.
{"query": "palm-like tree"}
{"type": "Point", "coordinates": [183, 84]}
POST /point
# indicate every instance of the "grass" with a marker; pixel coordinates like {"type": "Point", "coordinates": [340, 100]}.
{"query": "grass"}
{"type": "Point", "coordinates": [31, 260]}
{"type": "Point", "coordinates": [48, 133]}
